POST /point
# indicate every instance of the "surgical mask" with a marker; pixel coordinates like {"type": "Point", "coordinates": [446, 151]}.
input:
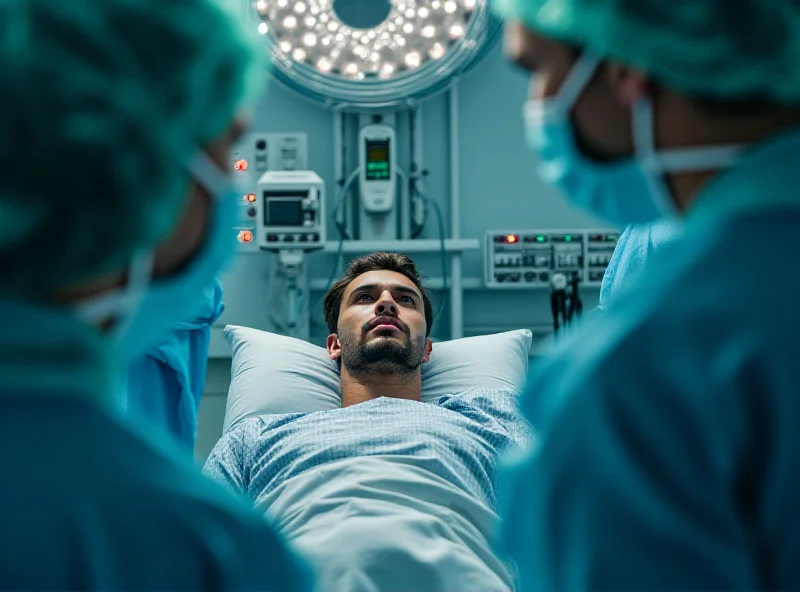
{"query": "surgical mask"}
{"type": "Point", "coordinates": [631, 190]}
{"type": "Point", "coordinates": [144, 310]}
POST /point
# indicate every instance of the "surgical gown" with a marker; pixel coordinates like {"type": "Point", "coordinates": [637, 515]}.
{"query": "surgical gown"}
{"type": "Point", "coordinates": [636, 245]}
{"type": "Point", "coordinates": [86, 503]}
{"type": "Point", "coordinates": [165, 386]}
{"type": "Point", "coordinates": [669, 449]}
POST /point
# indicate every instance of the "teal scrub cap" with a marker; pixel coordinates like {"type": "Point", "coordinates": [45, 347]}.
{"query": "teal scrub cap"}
{"type": "Point", "coordinates": [714, 49]}
{"type": "Point", "coordinates": [101, 103]}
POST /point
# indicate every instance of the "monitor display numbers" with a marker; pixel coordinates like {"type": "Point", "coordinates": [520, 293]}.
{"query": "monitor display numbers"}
{"type": "Point", "coordinates": [378, 167]}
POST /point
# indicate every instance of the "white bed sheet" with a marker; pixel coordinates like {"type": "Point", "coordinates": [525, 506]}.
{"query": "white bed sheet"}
{"type": "Point", "coordinates": [382, 524]}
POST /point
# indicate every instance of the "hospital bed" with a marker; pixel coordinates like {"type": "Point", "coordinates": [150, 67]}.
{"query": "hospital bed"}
{"type": "Point", "coordinates": [420, 529]}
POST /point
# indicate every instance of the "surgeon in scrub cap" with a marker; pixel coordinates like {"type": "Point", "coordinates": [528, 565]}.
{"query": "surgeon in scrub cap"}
{"type": "Point", "coordinates": [117, 119]}
{"type": "Point", "coordinates": [669, 444]}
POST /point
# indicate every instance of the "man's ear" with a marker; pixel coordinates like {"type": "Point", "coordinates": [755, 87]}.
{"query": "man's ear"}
{"type": "Point", "coordinates": [629, 85]}
{"type": "Point", "coordinates": [333, 346]}
{"type": "Point", "coordinates": [426, 357]}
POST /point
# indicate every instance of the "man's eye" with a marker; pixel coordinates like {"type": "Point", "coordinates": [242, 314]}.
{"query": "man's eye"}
{"type": "Point", "coordinates": [408, 299]}
{"type": "Point", "coordinates": [363, 297]}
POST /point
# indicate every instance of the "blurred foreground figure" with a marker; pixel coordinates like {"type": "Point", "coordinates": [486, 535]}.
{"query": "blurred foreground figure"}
{"type": "Point", "coordinates": [116, 211]}
{"type": "Point", "coordinates": [668, 451]}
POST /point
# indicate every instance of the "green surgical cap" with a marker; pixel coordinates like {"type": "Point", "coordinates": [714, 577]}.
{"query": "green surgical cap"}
{"type": "Point", "coordinates": [715, 49]}
{"type": "Point", "coordinates": [101, 105]}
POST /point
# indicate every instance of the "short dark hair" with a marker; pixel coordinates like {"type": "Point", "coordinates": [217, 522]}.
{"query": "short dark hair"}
{"type": "Point", "coordinates": [379, 261]}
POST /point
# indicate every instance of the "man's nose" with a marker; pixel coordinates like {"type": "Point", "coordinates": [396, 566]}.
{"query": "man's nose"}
{"type": "Point", "coordinates": [386, 305]}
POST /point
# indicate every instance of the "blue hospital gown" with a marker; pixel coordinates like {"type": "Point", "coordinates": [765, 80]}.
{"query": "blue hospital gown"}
{"type": "Point", "coordinates": [459, 439]}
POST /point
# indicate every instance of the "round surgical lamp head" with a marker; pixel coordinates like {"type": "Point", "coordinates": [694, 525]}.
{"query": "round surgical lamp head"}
{"type": "Point", "coordinates": [374, 53]}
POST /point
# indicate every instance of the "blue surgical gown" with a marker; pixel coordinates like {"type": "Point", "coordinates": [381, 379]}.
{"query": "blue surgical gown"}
{"type": "Point", "coordinates": [669, 440]}
{"type": "Point", "coordinates": [87, 503]}
{"type": "Point", "coordinates": [164, 387]}
{"type": "Point", "coordinates": [636, 245]}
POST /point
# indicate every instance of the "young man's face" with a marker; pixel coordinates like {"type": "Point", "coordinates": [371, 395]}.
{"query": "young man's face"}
{"type": "Point", "coordinates": [381, 326]}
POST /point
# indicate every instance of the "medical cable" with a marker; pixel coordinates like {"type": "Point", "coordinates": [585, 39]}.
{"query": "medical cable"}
{"type": "Point", "coordinates": [443, 247]}
{"type": "Point", "coordinates": [414, 178]}
{"type": "Point", "coordinates": [575, 304]}
{"type": "Point", "coordinates": [277, 299]}
{"type": "Point", "coordinates": [554, 310]}
{"type": "Point", "coordinates": [343, 235]}
{"type": "Point", "coordinates": [558, 300]}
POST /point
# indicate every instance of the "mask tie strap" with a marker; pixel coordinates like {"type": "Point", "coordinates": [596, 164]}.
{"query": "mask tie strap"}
{"type": "Point", "coordinates": [644, 146]}
{"type": "Point", "coordinates": [577, 80]}
{"type": "Point", "coordinates": [656, 163]}
{"type": "Point", "coordinates": [122, 303]}
{"type": "Point", "coordinates": [139, 278]}
{"type": "Point", "coordinates": [676, 160]}
{"type": "Point", "coordinates": [571, 89]}
{"type": "Point", "coordinates": [208, 174]}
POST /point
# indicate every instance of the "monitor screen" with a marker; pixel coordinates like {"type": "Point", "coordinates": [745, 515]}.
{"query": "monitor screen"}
{"type": "Point", "coordinates": [284, 208]}
{"type": "Point", "coordinates": [378, 166]}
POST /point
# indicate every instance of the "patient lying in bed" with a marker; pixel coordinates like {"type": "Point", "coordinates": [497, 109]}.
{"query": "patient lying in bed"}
{"type": "Point", "coordinates": [386, 493]}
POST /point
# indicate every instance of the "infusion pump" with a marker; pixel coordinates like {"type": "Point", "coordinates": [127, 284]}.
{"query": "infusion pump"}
{"type": "Point", "coordinates": [290, 211]}
{"type": "Point", "coordinates": [529, 258]}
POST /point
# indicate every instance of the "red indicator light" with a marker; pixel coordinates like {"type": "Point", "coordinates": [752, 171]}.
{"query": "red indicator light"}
{"type": "Point", "coordinates": [512, 238]}
{"type": "Point", "coordinates": [240, 165]}
{"type": "Point", "coordinates": [245, 236]}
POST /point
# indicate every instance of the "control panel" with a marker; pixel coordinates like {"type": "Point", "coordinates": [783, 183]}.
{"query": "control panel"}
{"type": "Point", "coordinates": [528, 258]}
{"type": "Point", "coordinates": [254, 155]}
{"type": "Point", "coordinates": [290, 211]}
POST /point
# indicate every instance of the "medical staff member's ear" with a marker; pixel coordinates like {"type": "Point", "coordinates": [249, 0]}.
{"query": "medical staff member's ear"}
{"type": "Point", "coordinates": [631, 85]}
{"type": "Point", "coordinates": [334, 347]}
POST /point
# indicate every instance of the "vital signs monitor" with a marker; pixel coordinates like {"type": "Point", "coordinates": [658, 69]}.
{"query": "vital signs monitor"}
{"type": "Point", "coordinates": [290, 208]}
{"type": "Point", "coordinates": [378, 169]}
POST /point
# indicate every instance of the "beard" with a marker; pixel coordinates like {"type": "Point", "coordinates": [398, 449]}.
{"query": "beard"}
{"type": "Point", "coordinates": [383, 354]}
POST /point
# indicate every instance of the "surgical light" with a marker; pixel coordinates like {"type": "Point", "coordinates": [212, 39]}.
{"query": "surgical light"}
{"type": "Point", "coordinates": [374, 53]}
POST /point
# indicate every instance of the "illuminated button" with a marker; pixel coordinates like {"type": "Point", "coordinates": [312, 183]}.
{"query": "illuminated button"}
{"type": "Point", "coordinates": [512, 238]}
{"type": "Point", "coordinates": [251, 198]}
{"type": "Point", "coordinates": [245, 236]}
{"type": "Point", "coordinates": [240, 165]}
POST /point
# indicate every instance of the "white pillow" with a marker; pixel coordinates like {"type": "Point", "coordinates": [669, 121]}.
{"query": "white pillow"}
{"type": "Point", "coordinates": [277, 374]}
